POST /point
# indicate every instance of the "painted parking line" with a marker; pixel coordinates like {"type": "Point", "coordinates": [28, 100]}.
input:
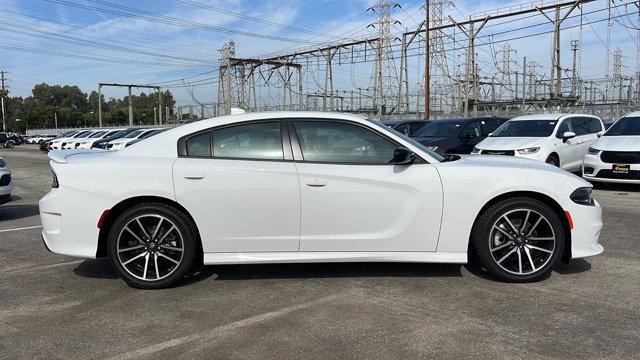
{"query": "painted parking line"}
{"type": "Point", "coordinates": [22, 228]}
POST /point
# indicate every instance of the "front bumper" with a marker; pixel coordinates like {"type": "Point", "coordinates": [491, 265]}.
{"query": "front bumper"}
{"type": "Point", "coordinates": [69, 221]}
{"type": "Point", "coordinates": [5, 189]}
{"type": "Point", "coordinates": [594, 169]}
{"type": "Point", "coordinates": [587, 225]}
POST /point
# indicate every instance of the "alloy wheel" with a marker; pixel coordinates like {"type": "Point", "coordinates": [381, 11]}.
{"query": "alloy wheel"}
{"type": "Point", "coordinates": [150, 247]}
{"type": "Point", "coordinates": [522, 241]}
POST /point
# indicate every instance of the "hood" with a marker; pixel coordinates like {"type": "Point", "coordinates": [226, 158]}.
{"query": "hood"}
{"type": "Point", "coordinates": [510, 143]}
{"type": "Point", "coordinates": [433, 140]}
{"type": "Point", "coordinates": [618, 143]}
{"type": "Point", "coordinates": [509, 163]}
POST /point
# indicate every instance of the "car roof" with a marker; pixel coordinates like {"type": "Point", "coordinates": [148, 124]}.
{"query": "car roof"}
{"type": "Point", "coordinates": [554, 116]}
{"type": "Point", "coordinates": [463, 120]}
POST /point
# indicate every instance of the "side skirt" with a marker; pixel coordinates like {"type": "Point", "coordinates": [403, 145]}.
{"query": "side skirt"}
{"type": "Point", "coordinates": [328, 257]}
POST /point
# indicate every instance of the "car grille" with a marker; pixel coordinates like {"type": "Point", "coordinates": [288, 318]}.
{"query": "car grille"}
{"type": "Point", "coordinates": [619, 157]}
{"type": "Point", "coordinates": [5, 180]}
{"type": "Point", "coordinates": [588, 170]}
{"type": "Point", "coordinates": [499, 152]}
{"type": "Point", "coordinates": [109, 146]}
{"type": "Point", "coordinates": [609, 174]}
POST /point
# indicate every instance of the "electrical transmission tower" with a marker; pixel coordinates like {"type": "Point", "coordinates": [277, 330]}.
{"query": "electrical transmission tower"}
{"type": "Point", "coordinates": [440, 75]}
{"type": "Point", "coordinates": [384, 79]}
{"type": "Point", "coordinates": [230, 90]}
{"type": "Point", "coordinates": [506, 81]}
{"type": "Point", "coordinates": [617, 72]}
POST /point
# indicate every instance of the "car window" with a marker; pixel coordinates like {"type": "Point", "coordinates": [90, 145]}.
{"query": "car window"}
{"type": "Point", "coordinates": [199, 145]}
{"type": "Point", "coordinates": [250, 141]}
{"type": "Point", "coordinates": [472, 130]}
{"type": "Point", "coordinates": [595, 125]}
{"type": "Point", "coordinates": [489, 126]}
{"type": "Point", "coordinates": [403, 128]}
{"type": "Point", "coordinates": [564, 127]}
{"type": "Point", "coordinates": [338, 142]}
{"type": "Point", "coordinates": [415, 126]}
{"type": "Point", "coordinates": [580, 125]}
{"type": "Point", "coordinates": [627, 126]}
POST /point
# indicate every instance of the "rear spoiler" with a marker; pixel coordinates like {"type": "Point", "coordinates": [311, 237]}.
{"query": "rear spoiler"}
{"type": "Point", "coordinates": [61, 156]}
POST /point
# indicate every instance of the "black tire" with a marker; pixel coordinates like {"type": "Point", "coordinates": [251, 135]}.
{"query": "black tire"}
{"type": "Point", "coordinates": [483, 230]}
{"type": "Point", "coordinates": [553, 160]}
{"type": "Point", "coordinates": [191, 255]}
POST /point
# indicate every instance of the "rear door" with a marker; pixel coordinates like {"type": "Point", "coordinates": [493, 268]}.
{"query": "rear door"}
{"type": "Point", "coordinates": [354, 198]}
{"type": "Point", "coordinates": [241, 186]}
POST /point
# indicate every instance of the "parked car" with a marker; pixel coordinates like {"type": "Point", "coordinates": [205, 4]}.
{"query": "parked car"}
{"type": "Point", "coordinates": [615, 157]}
{"type": "Point", "coordinates": [146, 135]}
{"type": "Point", "coordinates": [121, 143]}
{"type": "Point", "coordinates": [39, 139]}
{"type": "Point", "coordinates": [558, 139]}
{"type": "Point", "coordinates": [456, 136]}
{"type": "Point", "coordinates": [309, 187]}
{"type": "Point", "coordinates": [7, 140]}
{"type": "Point", "coordinates": [73, 142]}
{"type": "Point", "coordinates": [87, 143]}
{"type": "Point", "coordinates": [61, 140]}
{"type": "Point", "coordinates": [6, 184]}
{"type": "Point", "coordinates": [407, 127]}
{"type": "Point", "coordinates": [45, 146]}
{"type": "Point", "coordinates": [102, 143]}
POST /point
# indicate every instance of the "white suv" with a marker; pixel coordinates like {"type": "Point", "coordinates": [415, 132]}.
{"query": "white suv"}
{"type": "Point", "coordinates": [557, 139]}
{"type": "Point", "coordinates": [615, 157]}
{"type": "Point", "coordinates": [5, 182]}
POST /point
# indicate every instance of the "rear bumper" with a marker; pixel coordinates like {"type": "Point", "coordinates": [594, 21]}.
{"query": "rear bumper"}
{"type": "Point", "coordinates": [69, 221]}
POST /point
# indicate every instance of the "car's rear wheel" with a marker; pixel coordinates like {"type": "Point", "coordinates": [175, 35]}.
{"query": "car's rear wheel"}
{"type": "Point", "coordinates": [153, 246]}
{"type": "Point", "coordinates": [518, 240]}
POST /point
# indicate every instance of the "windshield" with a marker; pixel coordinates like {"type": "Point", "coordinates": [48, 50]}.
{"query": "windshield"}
{"type": "Point", "coordinates": [82, 134]}
{"type": "Point", "coordinates": [526, 128]}
{"type": "Point", "coordinates": [439, 129]}
{"type": "Point", "coordinates": [404, 137]}
{"type": "Point", "coordinates": [627, 126]}
{"type": "Point", "coordinates": [97, 134]}
{"type": "Point", "coordinates": [134, 134]}
{"type": "Point", "coordinates": [149, 134]}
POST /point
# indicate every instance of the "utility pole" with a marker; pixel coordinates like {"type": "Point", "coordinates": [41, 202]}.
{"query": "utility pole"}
{"type": "Point", "coordinates": [130, 107]}
{"type": "Point", "coordinates": [574, 77]}
{"type": "Point", "coordinates": [3, 93]}
{"type": "Point", "coordinates": [427, 67]}
{"type": "Point", "coordinates": [524, 85]}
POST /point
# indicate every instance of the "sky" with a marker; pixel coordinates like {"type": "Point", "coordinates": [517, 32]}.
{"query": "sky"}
{"type": "Point", "coordinates": [83, 42]}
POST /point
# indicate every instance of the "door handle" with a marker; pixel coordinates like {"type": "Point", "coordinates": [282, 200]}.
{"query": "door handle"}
{"type": "Point", "coordinates": [194, 176]}
{"type": "Point", "coordinates": [315, 182]}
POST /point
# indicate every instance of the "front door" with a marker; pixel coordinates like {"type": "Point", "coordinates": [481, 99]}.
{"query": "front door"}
{"type": "Point", "coordinates": [355, 199]}
{"type": "Point", "coordinates": [241, 190]}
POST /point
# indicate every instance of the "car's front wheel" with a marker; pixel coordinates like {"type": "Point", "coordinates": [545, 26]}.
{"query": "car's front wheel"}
{"type": "Point", "coordinates": [518, 240]}
{"type": "Point", "coordinates": [153, 246]}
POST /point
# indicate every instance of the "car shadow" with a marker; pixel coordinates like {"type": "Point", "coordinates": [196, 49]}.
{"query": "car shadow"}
{"type": "Point", "coordinates": [333, 270]}
{"type": "Point", "coordinates": [101, 269]}
{"type": "Point", "coordinates": [616, 187]}
{"type": "Point", "coordinates": [15, 212]}
{"type": "Point", "coordinates": [575, 266]}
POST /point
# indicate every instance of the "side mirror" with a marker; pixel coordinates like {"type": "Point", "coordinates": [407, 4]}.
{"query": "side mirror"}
{"type": "Point", "coordinates": [568, 135]}
{"type": "Point", "coordinates": [600, 133]}
{"type": "Point", "coordinates": [403, 156]}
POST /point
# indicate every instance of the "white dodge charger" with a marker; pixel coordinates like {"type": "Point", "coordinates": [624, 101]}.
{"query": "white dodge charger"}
{"type": "Point", "coordinates": [310, 187]}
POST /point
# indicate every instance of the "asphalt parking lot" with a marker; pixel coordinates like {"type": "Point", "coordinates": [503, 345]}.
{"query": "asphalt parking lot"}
{"type": "Point", "coordinates": [54, 306]}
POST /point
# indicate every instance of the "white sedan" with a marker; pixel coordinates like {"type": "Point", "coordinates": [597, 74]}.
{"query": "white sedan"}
{"type": "Point", "coordinates": [6, 184]}
{"type": "Point", "coordinates": [558, 139]}
{"type": "Point", "coordinates": [615, 157]}
{"type": "Point", "coordinates": [121, 143]}
{"type": "Point", "coordinates": [310, 187]}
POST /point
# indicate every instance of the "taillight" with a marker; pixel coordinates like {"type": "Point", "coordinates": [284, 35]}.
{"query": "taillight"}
{"type": "Point", "coordinates": [54, 183]}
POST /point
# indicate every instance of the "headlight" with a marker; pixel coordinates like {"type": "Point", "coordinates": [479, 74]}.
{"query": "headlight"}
{"type": "Point", "coordinates": [432, 147]}
{"type": "Point", "coordinates": [582, 196]}
{"type": "Point", "coordinates": [592, 151]}
{"type": "Point", "coordinates": [2, 163]}
{"type": "Point", "coordinates": [476, 150]}
{"type": "Point", "coordinates": [531, 150]}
